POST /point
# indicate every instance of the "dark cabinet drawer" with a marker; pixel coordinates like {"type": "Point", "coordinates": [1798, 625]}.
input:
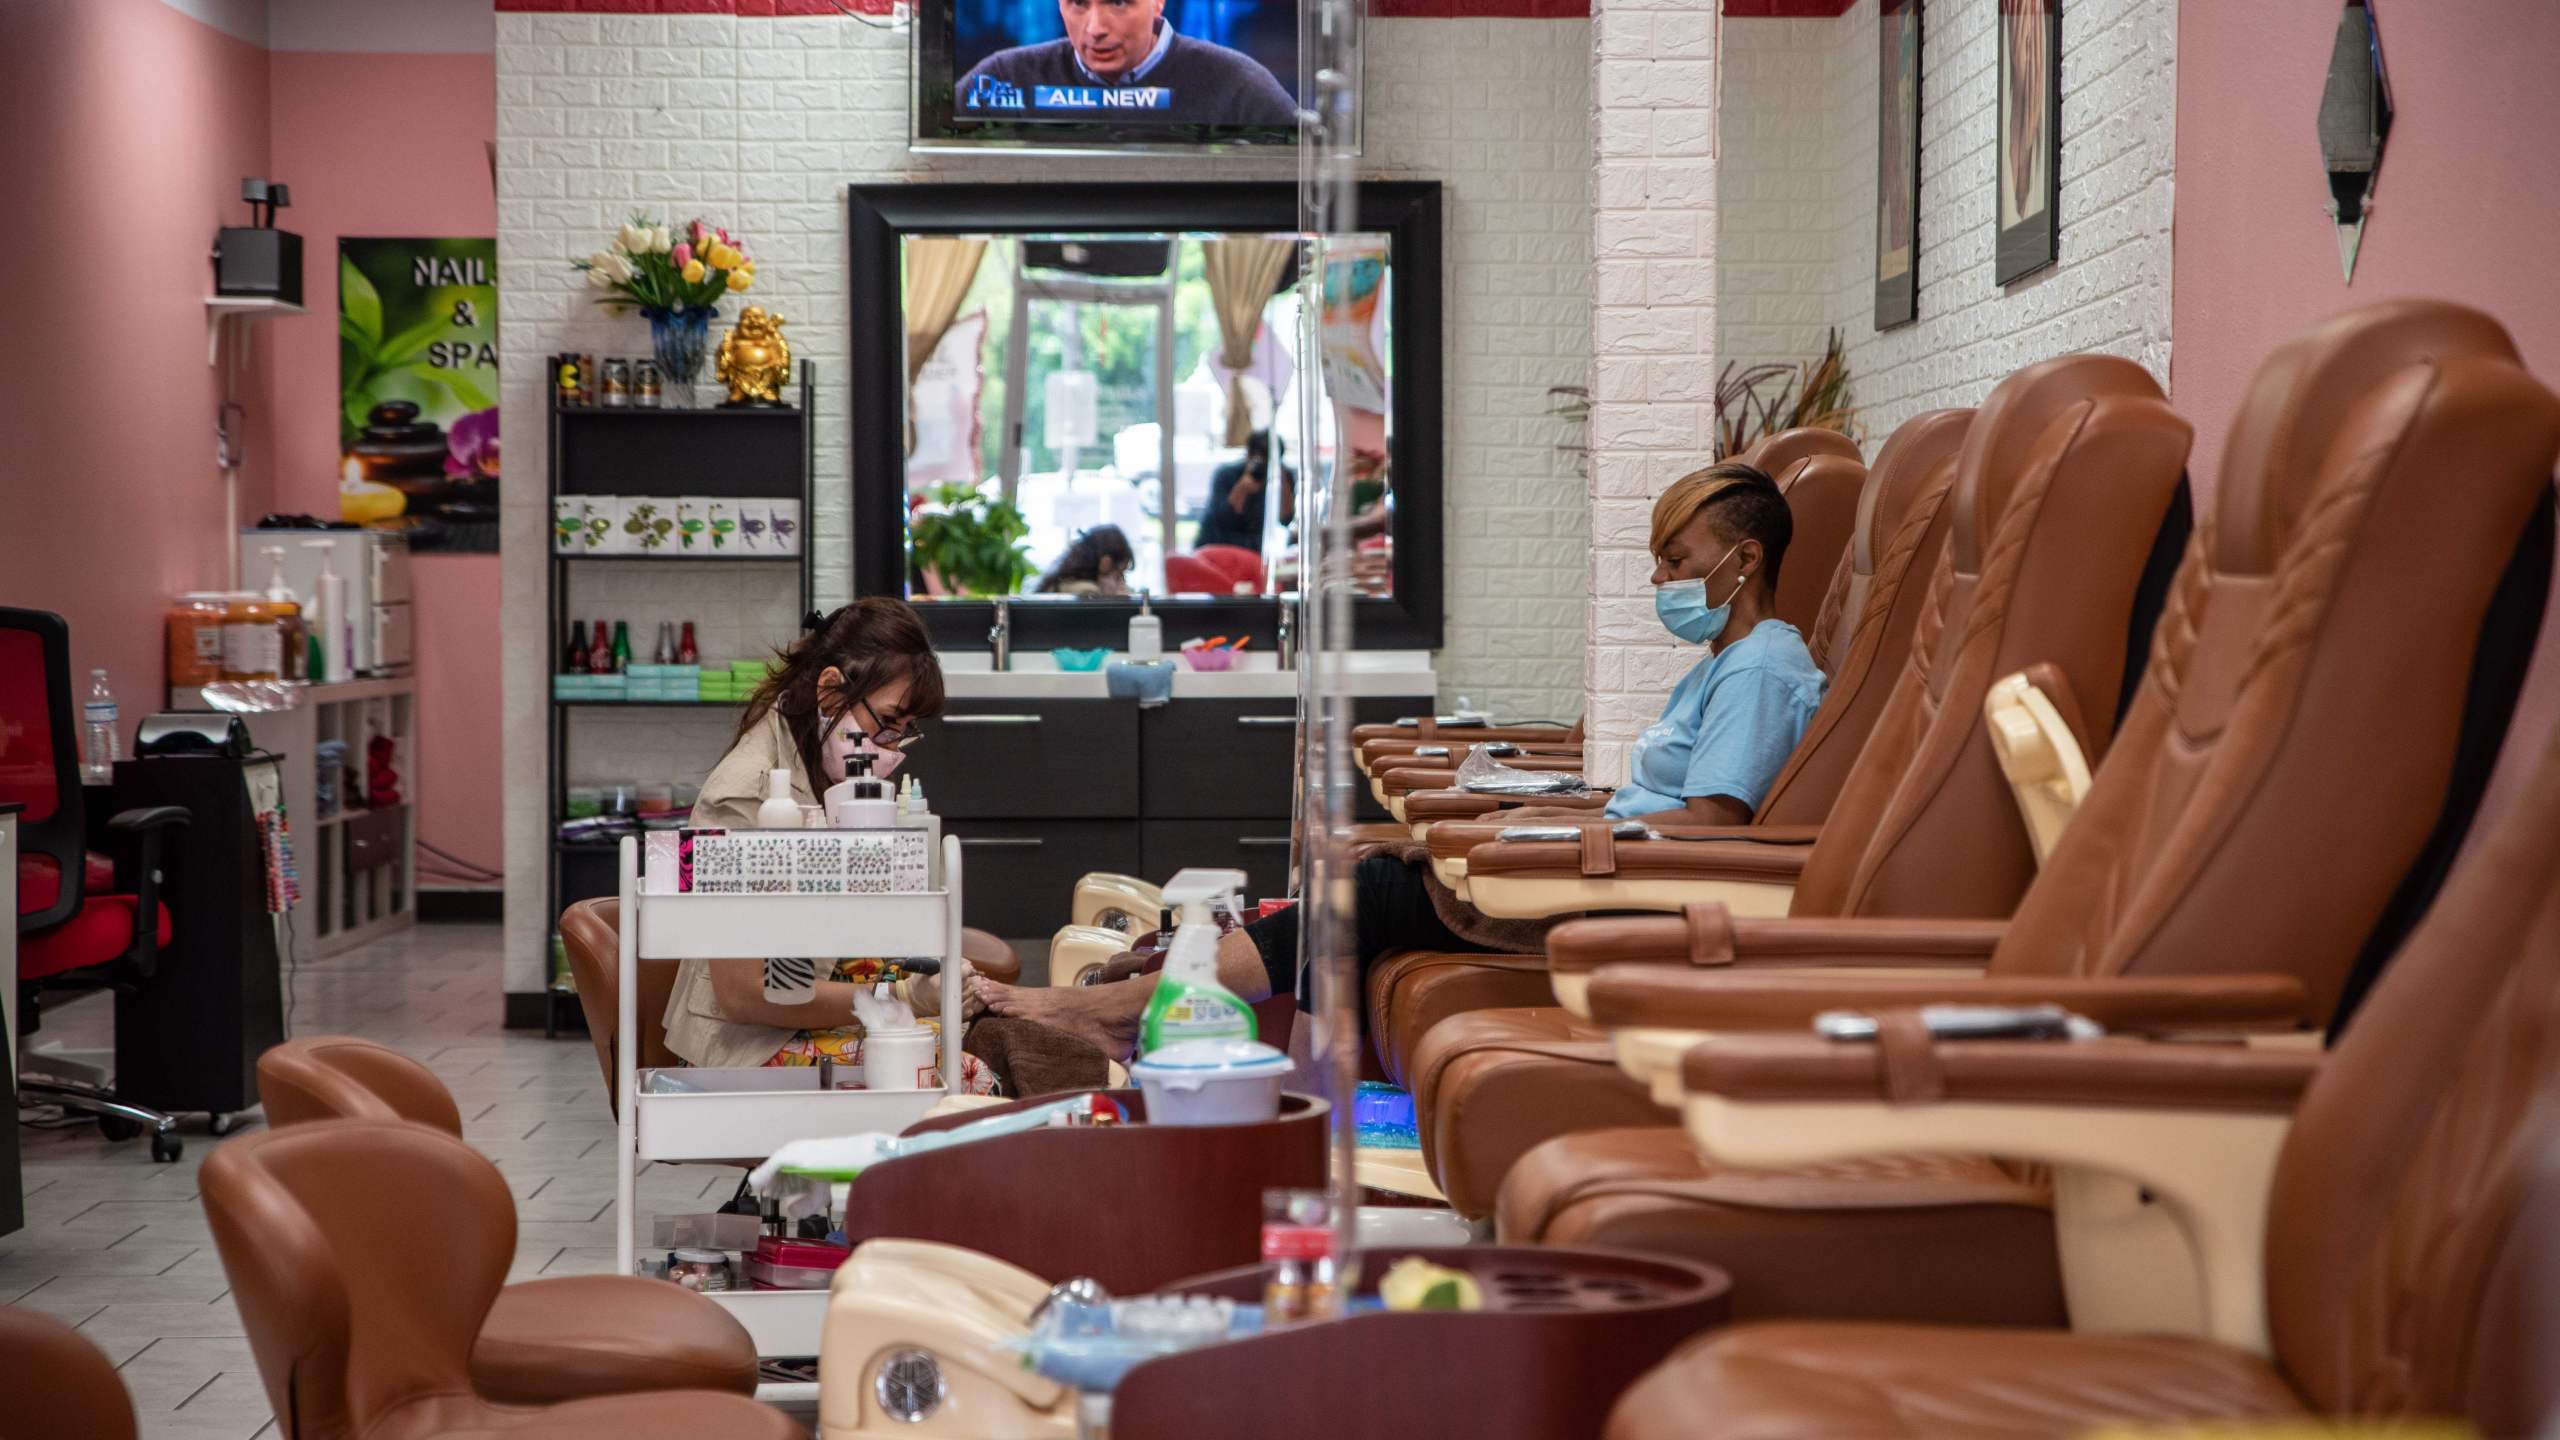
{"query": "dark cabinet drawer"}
{"type": "Point", "coordinates": [1210, 758]}
{"type": "Point", "coordinates": [1259, 848]}
{"type": "Point", "coordinates": [1207, 758]}
{"type": "Point", "coordinates": [1030, 760]}
{"type": "Point", "coordinates": [1018, 877]}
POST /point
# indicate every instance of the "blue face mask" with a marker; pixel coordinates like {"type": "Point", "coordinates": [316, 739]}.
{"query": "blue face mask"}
{"type": "Point", "coordinates": [1682, 606]}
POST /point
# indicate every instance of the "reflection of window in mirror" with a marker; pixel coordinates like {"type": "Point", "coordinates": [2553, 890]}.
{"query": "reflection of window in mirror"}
{"type": "Point", "coordinates": [1056, 381]}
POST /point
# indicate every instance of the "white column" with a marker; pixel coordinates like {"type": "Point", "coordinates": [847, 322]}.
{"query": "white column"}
{"type": "Point", "coordinates": [1653, 333]}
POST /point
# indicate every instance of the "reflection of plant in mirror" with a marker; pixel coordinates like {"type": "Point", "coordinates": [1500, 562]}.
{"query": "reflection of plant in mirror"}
{"type": "Point", "coordinates": [971, 544]}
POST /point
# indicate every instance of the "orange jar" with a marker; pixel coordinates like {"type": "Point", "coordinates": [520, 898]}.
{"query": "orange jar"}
{"type": "Point", "coordinates": [195, 638]}
{"type": "Point", "coordinates": [252, 644]}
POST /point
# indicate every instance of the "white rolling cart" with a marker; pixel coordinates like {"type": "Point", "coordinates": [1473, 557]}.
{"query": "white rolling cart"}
{"type": "Point", "coordinates": [747, 1114]}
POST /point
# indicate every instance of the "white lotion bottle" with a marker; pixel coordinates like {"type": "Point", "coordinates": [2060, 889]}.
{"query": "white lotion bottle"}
{"type": "Point", "coordinates": [779, 811]}
{"type": "Point", "coordinates": [1146, 632]}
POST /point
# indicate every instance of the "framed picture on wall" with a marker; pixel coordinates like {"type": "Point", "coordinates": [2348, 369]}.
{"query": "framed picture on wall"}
{"type": "Point", "coordinates": [1897, 163]}
{"type": "Point", "coordinates": [2029, 213]}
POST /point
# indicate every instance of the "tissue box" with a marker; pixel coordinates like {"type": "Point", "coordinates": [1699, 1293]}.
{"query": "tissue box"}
{"type": "Point", "coordinates": [784, 862]}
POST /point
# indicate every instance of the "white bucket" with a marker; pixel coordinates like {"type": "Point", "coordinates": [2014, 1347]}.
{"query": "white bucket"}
{"type": "Point", "coordinates": [1212, 1082]}
{"type": "Point", "coordinates": [899, 1060]}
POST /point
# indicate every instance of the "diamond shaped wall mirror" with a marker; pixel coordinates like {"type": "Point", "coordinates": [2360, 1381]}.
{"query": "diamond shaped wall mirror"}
{"type": "Point", "coordinates": [2355, 119]}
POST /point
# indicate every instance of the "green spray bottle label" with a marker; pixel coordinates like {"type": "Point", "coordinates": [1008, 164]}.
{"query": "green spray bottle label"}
{"type": "Point", "coordinates": [1189, 1003]}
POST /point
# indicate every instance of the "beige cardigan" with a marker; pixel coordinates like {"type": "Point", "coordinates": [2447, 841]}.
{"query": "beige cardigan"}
{"type": "Point", "coordinates": [696, 1028]}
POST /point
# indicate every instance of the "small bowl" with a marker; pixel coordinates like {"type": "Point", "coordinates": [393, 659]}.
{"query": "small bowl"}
{"type": "Point", "coordinates": [1206, 659]}
{"type": "Point", "coordinates": [1073, 659]}
{"type": "Point", "coordinates": [1149, 682]}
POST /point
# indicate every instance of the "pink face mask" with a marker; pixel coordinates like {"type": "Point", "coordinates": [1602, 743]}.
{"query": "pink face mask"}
{"type": "Point", "coordinates": [845, 739]}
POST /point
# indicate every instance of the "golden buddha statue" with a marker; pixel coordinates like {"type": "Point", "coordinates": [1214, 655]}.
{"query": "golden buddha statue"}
{"type": "Point", "coordinates": [754, 360]}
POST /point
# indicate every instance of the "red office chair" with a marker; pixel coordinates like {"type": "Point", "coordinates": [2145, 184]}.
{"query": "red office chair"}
{"type": "Point", "coordinates": [77, 928]}
{"type": "Point", "coordinates": [1239, 565]}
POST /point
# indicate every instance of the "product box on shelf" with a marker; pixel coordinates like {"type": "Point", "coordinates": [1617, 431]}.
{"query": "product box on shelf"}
{"type": "Point", "coordinates": [664, 682]}
{"type": "Point", "coordinates": [768, 527]}
{"type": "Point", "coordinates": [646, 524]}
{"type": "Point", "coordinates": [783, 862]}
{"type": "Point", "coordinates": [584, 524]}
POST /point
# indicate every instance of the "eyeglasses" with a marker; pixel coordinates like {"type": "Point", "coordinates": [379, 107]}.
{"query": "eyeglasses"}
{"type": "Point", "coordinates": [891, 737]}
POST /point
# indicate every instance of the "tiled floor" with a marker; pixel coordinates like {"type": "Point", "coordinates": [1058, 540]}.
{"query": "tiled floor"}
{"type": "Point", "coordinates": [118, 1246]}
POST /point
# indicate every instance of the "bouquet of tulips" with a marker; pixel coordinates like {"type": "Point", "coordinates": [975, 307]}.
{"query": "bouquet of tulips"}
{"type": "Point", "coordinates": [657, 268]}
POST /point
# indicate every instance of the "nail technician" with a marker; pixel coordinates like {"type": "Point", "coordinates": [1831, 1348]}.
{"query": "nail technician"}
{"type": "Point", "coordinates": [858, 681]}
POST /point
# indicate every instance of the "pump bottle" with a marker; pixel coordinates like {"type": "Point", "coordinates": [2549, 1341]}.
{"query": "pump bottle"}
{"type": "Point", "coordinates": [1146, 632]}
{"type": "Point", "coordinates": [1189, 1003]}
{"type": "Point", "coordinates": [293, 644]}
{"type": "Point", "coordinates": [860, 801]}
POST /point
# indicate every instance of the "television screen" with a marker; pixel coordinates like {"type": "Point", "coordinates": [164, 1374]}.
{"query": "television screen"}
{"type": "Point", "coordinates": [1121, 72]}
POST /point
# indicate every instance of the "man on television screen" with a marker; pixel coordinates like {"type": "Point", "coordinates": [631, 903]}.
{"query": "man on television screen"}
{"type": "Point", "coordinates": [1120, 60]}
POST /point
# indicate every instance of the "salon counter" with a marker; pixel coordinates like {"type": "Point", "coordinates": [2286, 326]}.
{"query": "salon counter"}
{"type": "Point", "coordinates": [1372, 674]}
{"type": "Point", "coordinates": [1044, 785]}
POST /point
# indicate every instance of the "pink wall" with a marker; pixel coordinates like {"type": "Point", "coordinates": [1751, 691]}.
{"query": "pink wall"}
{"type": "Point", "coordinates": [2467, 207]}
{"type": "Point", "coordinates": [394, 145]}
{"type": "Point", "coordinates": [129, 128]}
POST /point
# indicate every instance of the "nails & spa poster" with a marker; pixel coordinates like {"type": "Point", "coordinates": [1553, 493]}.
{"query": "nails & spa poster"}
{"type": "Point", "coordinates": [418, 390]}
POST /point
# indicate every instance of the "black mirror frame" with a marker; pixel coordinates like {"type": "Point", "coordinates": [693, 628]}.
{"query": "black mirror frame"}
{"type": "Point", "coordinates": [1406, 211]}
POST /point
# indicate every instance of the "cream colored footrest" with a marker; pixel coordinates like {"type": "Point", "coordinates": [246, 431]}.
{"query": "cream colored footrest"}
{"type": "Point", "coordinates": [1511, 898]}
{"type": "Point", "coordinates": [1398, 1172]}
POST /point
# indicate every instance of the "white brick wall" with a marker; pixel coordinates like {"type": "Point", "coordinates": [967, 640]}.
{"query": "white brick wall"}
{"type": "Point", "coordinates": [764, 122]}
{"type": "Point", "coordinates": [2110, 290]}
{"type": "Point", "coordinates": [1780, 233]}
{"type": "Point", "coordinates": [1654, 208]}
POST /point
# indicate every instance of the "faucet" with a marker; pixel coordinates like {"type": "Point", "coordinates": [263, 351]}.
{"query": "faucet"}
{"type": "Point", "coordinates": [1000, 638]}
{"type": "Point", "coordinates": [1288, 632]}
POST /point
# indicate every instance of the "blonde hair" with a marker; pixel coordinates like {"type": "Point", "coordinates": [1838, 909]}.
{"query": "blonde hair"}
{"type": "Point", "coordinates": [1692, 493]}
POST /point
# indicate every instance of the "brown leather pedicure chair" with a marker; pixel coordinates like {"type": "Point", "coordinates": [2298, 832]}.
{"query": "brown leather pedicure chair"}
{"type": "Point", "coordinates": [2373, 1224]}
{"type": "Point", "coordinates": [544, 1340]}
{"type": "Point", "coordinates": [58, 1384]}
{"type": "Point", "coordinates": [2302, 760]}
{"type": "Point", "coordinates": [1823, 487]}
{"type": "Point", "coordinates": [364, 1256]}
{"type": "Point", "coordinates": [1869, 615]}
{"type": "Point", "coordinates": [2062, 486]}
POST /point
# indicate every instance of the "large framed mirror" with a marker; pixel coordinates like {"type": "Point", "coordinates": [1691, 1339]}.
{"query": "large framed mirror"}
{"type": "Point", "coordinates": [1066, 395]}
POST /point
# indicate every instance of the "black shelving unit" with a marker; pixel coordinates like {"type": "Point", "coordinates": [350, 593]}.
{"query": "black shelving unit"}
{"type": "Point", "coordinates": [750, 452]}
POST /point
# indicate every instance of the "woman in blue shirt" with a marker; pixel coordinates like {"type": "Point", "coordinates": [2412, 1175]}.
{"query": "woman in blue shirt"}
{"type": "Point", "coordinates": [1719, 536]}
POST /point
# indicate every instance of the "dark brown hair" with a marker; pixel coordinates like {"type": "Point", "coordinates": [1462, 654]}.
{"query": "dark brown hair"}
{"type": "Point", "coordinates": [873, 642]}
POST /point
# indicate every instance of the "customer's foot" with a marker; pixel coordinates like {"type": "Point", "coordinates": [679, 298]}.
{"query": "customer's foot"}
{"type": "Point", "coordinates": [1104, 1016]}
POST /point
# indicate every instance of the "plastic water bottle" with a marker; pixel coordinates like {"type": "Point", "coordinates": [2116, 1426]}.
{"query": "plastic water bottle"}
{"type": "Point", "coordinates": [100, 744]}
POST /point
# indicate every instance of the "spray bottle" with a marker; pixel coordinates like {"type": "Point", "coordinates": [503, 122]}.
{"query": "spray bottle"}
{"type": "Point", "coordinates": [1189, 1003]}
